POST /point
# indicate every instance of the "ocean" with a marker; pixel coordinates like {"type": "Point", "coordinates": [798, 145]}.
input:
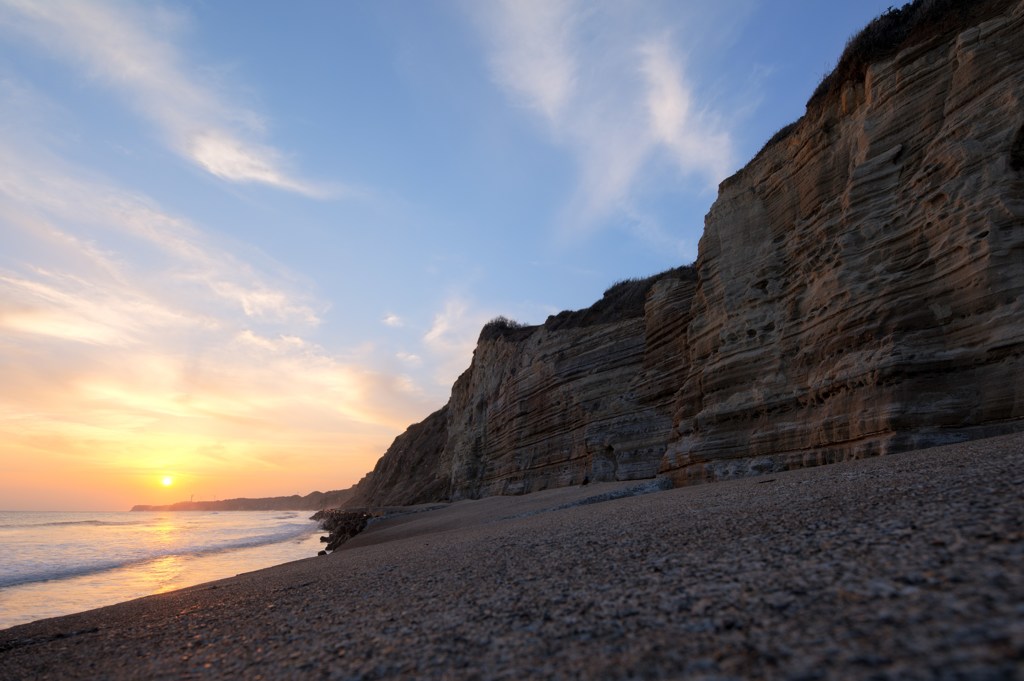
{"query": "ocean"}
{"type": "Point", "coordinates": [55, 564]}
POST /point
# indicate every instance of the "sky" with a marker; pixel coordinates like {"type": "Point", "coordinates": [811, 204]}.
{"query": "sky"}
{"type": "Point", "coordinates": [244, 245]}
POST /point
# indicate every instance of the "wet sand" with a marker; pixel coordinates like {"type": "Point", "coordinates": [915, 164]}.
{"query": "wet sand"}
{"type": "Point", "coordinates": [907, 566]}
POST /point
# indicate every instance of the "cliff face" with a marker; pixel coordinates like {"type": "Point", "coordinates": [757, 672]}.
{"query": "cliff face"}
{"type": "Point", "coordinates": [413, 471]}
{"type": "Point", "coordinates": [862, 282]}
{"type": "Point", "coordinates": [586, 396]}
{"type": "Point", "coordinates": [859, 289]}
{"type": "Point", "coordinates": [569, 403]}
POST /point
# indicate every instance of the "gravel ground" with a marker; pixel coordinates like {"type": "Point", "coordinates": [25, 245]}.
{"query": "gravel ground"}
{"type": "Point", "coordinates": [909, 566]}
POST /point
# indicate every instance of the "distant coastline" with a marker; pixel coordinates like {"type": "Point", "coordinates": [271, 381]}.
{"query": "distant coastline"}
{"type": "Point", "coordinates": [314, 501]}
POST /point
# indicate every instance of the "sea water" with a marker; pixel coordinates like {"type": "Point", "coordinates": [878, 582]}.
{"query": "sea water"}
{"type": "Point", "coordinates": [59, 563]}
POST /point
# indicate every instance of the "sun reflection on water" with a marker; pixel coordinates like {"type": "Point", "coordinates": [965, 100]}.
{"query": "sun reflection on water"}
{"type": "Point", "coordinates": [161, 533]}
{"type": "Point", "coordinates": [162, 574]}
{"type": "Point", "coordinates": [173, 551]}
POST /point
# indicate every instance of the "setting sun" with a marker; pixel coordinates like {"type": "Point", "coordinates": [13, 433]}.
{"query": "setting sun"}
{"type": "Point", "coordinates": [167, 481]}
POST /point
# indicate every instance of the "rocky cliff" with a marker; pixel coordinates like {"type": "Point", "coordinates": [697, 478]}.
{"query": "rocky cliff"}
{"type": "Point", "coordinates": [588, 395]}
{"type": "Point", "coordinates": [859, 289]}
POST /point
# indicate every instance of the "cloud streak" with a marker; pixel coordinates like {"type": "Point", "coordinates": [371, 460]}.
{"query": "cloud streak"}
{"type": "Point", "coordinates": [452, 338]}
{"type": "Point", "coordinates": [49, 204]}
{"type": "Point", "coordinates": [126, 48]}
{"type": "Point", "coordinates": [611, 87]}
{"type": "Point", "coordinates": [532, 52]}
{"type": "Point", "coordinates": [694, 138]}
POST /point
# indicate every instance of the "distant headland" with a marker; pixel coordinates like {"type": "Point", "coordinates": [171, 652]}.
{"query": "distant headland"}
{"type": "Point", "coordinates": [311, 502]}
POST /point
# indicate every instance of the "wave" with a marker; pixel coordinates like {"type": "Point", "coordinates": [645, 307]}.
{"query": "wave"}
{"type": "Point", "coordinates": [93, 523]}
{"type": "Point", "coordinates": [56, 572]}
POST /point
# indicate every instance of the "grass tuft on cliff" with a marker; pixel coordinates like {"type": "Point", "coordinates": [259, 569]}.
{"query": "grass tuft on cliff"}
{"type": "Point", "coordinates": [898, 29]}
{"type": "Point", "coordinates": [885, 36]}
{"type": "Point", "coordinates": [623, 300]}
{"type": "Point", "coordinates": [503, 327]}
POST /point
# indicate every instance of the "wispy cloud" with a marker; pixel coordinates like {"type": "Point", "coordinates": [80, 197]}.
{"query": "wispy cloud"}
{"type": "Point", "coordinates": [393, 320]}
{"type": "Point", "coordinates": [125, 331]}
{"type": "Point", "coordinates": [694, 137]}
{"type": "Point", "coordinates": [452, 337]}
{"type": "Point", "coordinates": [130, 49]}
{"type": "Point", "coordinates": [532, 51]}
{"type": "Point", "coordinates": [611, 86]}
{"type": "Point", "coordinates": [47, 200]}
{"type": "Point", "coordinates": [409, 358]}
{"type": "Point", "coordinates": [234, 160]}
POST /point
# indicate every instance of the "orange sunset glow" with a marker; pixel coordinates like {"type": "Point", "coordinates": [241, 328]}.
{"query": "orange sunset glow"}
{"type": "Point", "coordinates": [89, 424]}
{"type": "Point", "coordinates": [188, 361]}
{"type": "Point", "coordinates": [87, 441]}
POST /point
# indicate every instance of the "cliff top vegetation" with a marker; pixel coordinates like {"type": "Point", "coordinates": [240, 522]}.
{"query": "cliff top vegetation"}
{"type": "Point", "coordinates": [898, 29]}
{"type": "Point", "coordinates": [503, 327]}
{"type": "Point", "coordinates": [622, 300]}
{"type": "Point", "coordinates": [886, 35]}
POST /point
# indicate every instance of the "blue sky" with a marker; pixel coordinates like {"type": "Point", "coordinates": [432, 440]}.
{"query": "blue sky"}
{"type": "Point", "coordinates": [247, 243]}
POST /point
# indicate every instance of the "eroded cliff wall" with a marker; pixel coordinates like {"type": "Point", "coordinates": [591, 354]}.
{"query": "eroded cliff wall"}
{"type": "Point", "coordinates": [859, 289]}
{"type": "Point", "coordinates": [861, 283]}
{"type": "Point", "coordinates": [569, 402]}
{"type": "Point", "coordinates": [586, 396]}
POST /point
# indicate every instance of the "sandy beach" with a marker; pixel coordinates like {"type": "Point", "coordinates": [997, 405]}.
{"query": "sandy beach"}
{"type": "Point", "coordinates": [907, 566]}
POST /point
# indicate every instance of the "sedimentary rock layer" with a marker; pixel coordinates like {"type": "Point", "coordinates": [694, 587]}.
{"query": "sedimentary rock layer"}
{"type": "Point", "coordinates": [586, 396]}
{"type": "Point", "coordinates": [861, 283]}
{"type": "Point", "coordinates": [859, 289]}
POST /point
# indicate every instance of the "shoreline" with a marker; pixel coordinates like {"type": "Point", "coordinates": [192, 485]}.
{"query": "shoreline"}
{"type": "Point", "coordinates": [78, 577]}
{"type": "Point", "coordinates": [909, 564]}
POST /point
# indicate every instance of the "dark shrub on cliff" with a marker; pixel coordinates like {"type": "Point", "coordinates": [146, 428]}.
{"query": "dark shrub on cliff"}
{"type": "Point", "coordinates": [895, 30]}
{"type": "Point", "coordinates": [780, 135]}
{"type": "Point", "coordinates": [503, 327]}
{"type": "Point", "coordinates": [622, 300]}
{"type": "Point", "coordinates": [898, 29]}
